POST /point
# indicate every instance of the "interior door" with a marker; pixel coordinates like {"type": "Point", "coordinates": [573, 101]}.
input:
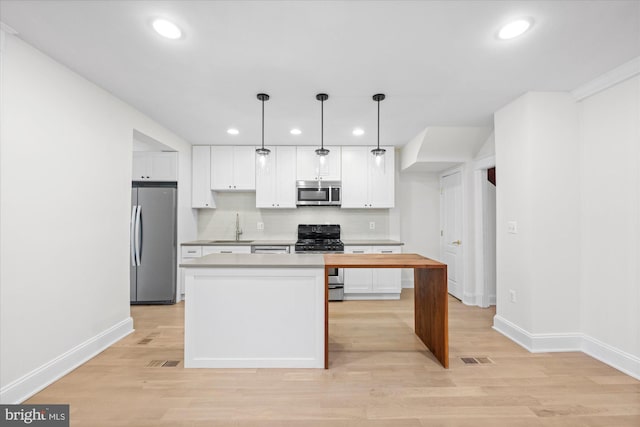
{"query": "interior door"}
{"type": "Point", "coordinates": [157, 269]}
{"type": "Point", "coordinates": [451, 231]}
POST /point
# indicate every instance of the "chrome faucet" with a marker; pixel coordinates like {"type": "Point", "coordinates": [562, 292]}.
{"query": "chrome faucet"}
{"type": "Point", "coordinates": [238, 229]}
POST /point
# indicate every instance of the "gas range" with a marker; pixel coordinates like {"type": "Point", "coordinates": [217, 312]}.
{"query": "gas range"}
{"type": "Point", "coordinates": [319, 238]}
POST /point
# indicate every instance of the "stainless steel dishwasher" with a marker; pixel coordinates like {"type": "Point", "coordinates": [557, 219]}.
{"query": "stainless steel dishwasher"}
{"type": "Point", "coordinates": [270, 249]}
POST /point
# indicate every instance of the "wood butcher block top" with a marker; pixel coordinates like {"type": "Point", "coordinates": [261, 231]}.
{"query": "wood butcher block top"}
{"type": "Point", "coordinates": [380, 261]}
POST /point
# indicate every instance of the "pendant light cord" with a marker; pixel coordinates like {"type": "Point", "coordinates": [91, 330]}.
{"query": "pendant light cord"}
{"type": "Point", "coordinates": [378, 124]}
{"type": "Point", "coordinates": [322, 123]}
{"type": "Point", "coordinates": [263, 121]}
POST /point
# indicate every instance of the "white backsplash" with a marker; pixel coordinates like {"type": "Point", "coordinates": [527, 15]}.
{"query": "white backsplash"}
{"type": "Point", "coordinates": [279, 224]}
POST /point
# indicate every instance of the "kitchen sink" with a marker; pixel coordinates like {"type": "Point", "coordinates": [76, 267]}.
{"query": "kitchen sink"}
{"type": "Point", "coordinates": [231, 241]}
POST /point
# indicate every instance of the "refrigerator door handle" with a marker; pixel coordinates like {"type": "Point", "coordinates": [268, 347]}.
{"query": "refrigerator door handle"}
{"type": "Point", "coordinates": [132, 242]}
{"type": "Point", "coordinates": [138, 236]}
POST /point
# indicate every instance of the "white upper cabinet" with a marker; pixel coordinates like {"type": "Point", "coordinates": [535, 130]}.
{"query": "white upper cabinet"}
{"type": "Point", "coordinates": [276, 178]}
{"type": "Point", "coordinates": [232, 168]}
{"type": "Point", "coordinates": [311, 167]}
{"type": "Point", "coordinates": [155, 166]}
{"type": "Point", "coordinates": [367, 180]}
{"type": "Point", "coordinates": [201, 195]}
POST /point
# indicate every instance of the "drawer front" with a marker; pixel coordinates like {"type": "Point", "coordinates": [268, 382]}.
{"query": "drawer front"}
{"type": "Point", "coordinates": [357, 249]}
{"type": "Point", "coordinates": [206, 250]}
{"type": "Point", "coordinates": [191, 251]}
{"type": "Point", "coordinates": [387, 249]}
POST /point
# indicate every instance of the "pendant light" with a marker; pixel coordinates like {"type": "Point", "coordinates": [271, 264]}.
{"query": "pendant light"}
{"type": "Point", "coordinates": [378, 151]}
{"type": "Point", "coordinates": [322, 151]}
{"type": "Point", "coordinates": [263, 151]}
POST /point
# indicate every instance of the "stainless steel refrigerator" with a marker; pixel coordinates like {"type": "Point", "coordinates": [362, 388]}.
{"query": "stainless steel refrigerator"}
{"type": "Point", "coordinates": [153, 242]}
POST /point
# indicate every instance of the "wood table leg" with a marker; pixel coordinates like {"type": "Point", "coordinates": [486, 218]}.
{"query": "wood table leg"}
{"type": "Point", "coordinates": [432, 311]}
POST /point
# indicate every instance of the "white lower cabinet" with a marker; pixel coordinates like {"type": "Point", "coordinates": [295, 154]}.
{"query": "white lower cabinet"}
{"type": "Point", "coordinates": [372, 283]}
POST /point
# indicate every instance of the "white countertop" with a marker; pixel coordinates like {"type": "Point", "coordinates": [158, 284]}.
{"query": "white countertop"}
{"type": "Point", "coordinates": [256, 261]}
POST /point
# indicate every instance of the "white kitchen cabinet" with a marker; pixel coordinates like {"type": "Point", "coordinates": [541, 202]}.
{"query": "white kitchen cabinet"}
{"type": "Point", "coordinates": [358, 280]}
{"type": "Point", "coordinates": [367, 181]}
{"type": "Point", "coordinates": [276, 178]}
{"type": "Point", "coordinates": [233, 168]}
{"type": "Point", "coordinates": [201, 195]}
{"type": "Point", "coordinates": [155, 166]}
{"type": "Point", "coordinates": [231, 249]}
{"type": "Point", "coordinates": [387, 280]}
{"type": "Point", "coordinates": [311, 167]}
{"type": "Point", "coordinates": [372, 283]}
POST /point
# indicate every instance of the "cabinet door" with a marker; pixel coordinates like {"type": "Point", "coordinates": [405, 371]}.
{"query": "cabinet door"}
{"type": "Point", "coordinates": [387, 280]}
{"type": "Point", "coordinates": [244, 170]}
{"type": "Point", "coordinates": [163, 166]}
{"type": "Point", "coordinates": [358, 280]}
{"type": "Point", "coordinates": [355, 177]}
{"type": "Point", "coordinates": [221, 168]}
{"type": "Point", "coordinates": [382, 179]}
{"type": "Point", "coordinates": [266, 181]}
{"type": "Point", "coordinates": [201, 195]}
{"type": "Point", "coordinates": [307, 164]}
{"type": "Point", "coordinates": [329, 166]}
{"type": "Point", "coordinates": [141, 166]}
{"type": "Point", "coordinates": [285, 177]}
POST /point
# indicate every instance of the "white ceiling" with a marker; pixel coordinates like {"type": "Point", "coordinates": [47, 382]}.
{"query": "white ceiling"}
{"type": "Point", "coordinates": [438, 62]}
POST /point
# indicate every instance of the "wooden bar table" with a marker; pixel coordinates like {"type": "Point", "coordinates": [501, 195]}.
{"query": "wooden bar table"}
{"type": "Point", "coordinates": [431, 311]}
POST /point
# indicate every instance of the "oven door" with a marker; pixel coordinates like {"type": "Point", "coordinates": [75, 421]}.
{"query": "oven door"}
{"type": "Point", "coordinates": [336, 276]}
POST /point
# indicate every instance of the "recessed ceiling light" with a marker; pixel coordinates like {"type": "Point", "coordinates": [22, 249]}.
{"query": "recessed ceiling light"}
{"type": "Point", "coordinates": [358, 132]}
{"type": "Point", "coordinates": [295, 131]}
{"type": "Point", "coordinates": [167, 29]}
{"type": "Point", "coordinates": [514, 29]}
{"type": "Point", "coordinates": [233, 131]}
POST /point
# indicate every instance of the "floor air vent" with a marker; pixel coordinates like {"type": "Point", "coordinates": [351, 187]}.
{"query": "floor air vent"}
{"type": "Point", "coordinates": [163, 364]}
{"type": "Point", "coordinates": [476, 360]}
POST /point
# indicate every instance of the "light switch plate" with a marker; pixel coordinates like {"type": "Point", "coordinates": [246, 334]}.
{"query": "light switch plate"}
{"type": "Point", "coordinates": [260, 225]}
{"type": "Point", "coordinates": [372, 225]}
{"type": "Point", "coordinates": [512, 227]}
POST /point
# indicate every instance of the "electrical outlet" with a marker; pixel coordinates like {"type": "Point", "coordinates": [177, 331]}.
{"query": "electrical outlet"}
{"type": "Point", "coordinates": [512, 227]}
{"type": "Point", "coordinates": [372, 225]}
{"type": "Point", "coordinates": [260, 225]}
{"type": "Point", "coordinates": [512, 295]}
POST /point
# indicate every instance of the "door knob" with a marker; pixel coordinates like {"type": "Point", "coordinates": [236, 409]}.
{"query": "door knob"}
{"type": "Point", "coordinates": [457, 242]}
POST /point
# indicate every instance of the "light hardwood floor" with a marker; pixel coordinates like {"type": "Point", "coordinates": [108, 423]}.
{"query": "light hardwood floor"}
{"type": "Point", "coordinates": [380, 375]}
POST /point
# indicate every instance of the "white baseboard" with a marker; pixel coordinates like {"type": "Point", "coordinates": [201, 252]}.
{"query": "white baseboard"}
{"type": "Point", "coordinates": [622, 361]}
{"type": "Point", "coordinates": [26, 386]}
{"type": "Point", "coordinates": [479, 300]}
{"type": "Point", "coordinates": [547, 343]}
{"type": "Point", "coordinates": [362, 297]}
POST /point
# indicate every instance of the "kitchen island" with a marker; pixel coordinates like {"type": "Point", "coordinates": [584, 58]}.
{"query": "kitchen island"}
{"type": "Point", "coordinates": [251, 311]}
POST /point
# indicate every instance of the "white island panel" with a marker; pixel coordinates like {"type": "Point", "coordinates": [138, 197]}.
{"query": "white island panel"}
{"type": "Point", "coordinates": [254, 318]}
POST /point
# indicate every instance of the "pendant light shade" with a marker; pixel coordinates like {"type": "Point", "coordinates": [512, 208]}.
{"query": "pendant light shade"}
{"type": "Point", "coordinates": [378, 151]}
{"type": "Point", "coordinates": [263, 151]}
{"type": "Point", "coordinates": [322, 151]}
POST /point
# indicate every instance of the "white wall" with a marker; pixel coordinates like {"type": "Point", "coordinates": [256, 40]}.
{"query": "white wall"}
{"type": "Point", "coordinates": [536, 140]}
{"type": "Point", "coordinates": [610, 215]}
{"type": "Point", "coordinates": [65, 179]}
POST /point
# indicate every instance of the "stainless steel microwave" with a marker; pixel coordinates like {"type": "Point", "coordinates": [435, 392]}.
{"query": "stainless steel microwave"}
{"type": "Point", "coordinates": [318, 193]}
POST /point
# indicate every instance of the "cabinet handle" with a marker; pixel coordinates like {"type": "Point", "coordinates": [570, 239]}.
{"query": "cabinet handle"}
{"type": "Point", "coordinates": [386, 252]}
{"type": "Point", "coordinates": [226, 252]}
{"type": "Point", "coordinates": [191, 252]}
{"type": "Point", "coordinates": [358, 252]}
